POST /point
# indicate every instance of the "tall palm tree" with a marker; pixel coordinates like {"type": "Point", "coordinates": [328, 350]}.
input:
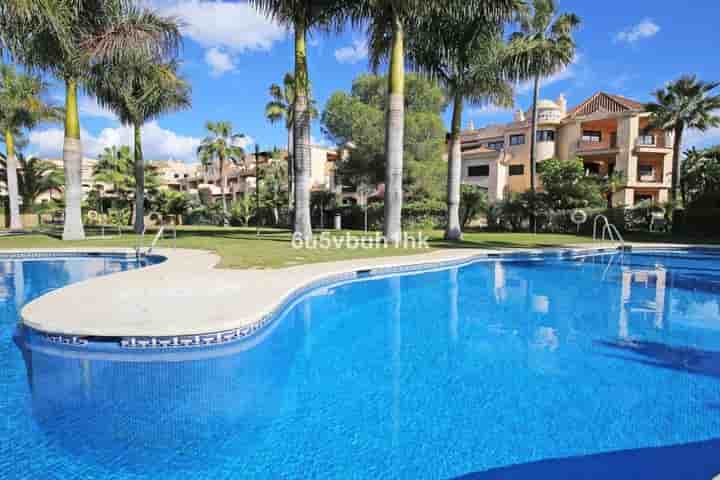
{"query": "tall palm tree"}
{"type": "Point", "coordinates": [465, 52]}
{"type": "Point", "coordinates": [386, 22]}
{"type": "Point", "coordinates": [221, 146]}
{"type": "Point", "coordinates": [21, 107]}
{"type": "Point", "coordinates": [303, 16]}
{"type": "Point", "coordinates": [66, 39]}
{"type": "Point", "coordinates": [282, 106]}
{"type": "Point", "coordinates": [545, 46]}
{"type": "Point", "coordinates": [685, 103]}
{"type": "Point", "coordinates": [35, 177]}
{"type": "Point", "coordinates": [138, 92]}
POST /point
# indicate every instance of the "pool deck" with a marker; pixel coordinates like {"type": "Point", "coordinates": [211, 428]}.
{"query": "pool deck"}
{"type": "Point", "coordinates": [187, 295]}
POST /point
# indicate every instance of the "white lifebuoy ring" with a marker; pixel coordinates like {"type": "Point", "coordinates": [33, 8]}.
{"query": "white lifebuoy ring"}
{"type": "Point", "coordinates": [578, 216]}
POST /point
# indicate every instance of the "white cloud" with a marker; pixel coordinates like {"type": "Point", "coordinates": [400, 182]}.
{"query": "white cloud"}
{"type": "Point", "coordinates": [88, 106]}
{"type": "Point", "coordinates": [566, 73]}
{"type": "Point", "coordinates": [354, 53]}
{"type": "Point", "coordinates": [645, 29]}
{"type": "Point", "coordinates": [158, 143]}
{"type": "Point", "coordinates": [488, 110]}
{"type": "Point", "coordinates": [219, 61]}
{"type": "Point", "coordinates": [236, 26]}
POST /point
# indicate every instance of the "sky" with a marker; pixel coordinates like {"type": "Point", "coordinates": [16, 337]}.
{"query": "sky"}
{"type": "Point", "coordinates": [232, 54]}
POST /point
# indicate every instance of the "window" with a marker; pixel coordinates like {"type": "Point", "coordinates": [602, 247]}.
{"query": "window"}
{"type": "Point", "coordinates": [479, 171]}
{"type": "Point", "coordinates": [546, 135]}
{"type": "Point", "coordinates": [517, 139]}
{"type": "Point", "coordinates": [499, 145]}
{"type": "Point", "coordinates": [646, 172]}
{"type": "Point", "coordinates": [592, 169]}
{"type": "Point", "coordinates": [646, 140]}
{"type": "Point", "coordinates": [593, 136]}
{"type": "Point", "coordinates": [516, 169]}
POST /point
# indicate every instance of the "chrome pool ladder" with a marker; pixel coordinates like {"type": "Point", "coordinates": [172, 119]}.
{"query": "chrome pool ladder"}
{"type": "Point", "coordinates": [612, 232]}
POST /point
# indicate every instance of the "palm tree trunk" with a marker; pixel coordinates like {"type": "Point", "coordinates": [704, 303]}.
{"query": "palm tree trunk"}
{"type": "Point", "coordinates": [72, 164]}
{"type": "Point", "coordinates": [301, 142]}
{"type": "Point", "coordinates": [533, 159]}
{"type": "Point", "coordinates": [12, 182]}
{"type": "Point", "coordinates": [394, 132]}
{"type": "Point", "coordinates": [453, 229]}
{"type": "Point", "coordinates": [223, 187]}
{"type": "Point", "coordinates": [291, 170]}
{"type": "Point", "coordinates": [677, 144]}
{"type": "Point", "coordinates": [139, 181]}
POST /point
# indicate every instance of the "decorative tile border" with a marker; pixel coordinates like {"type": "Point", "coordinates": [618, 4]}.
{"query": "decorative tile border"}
{"type": "Point", "coordinates": [66, 340]}
{"type": "Point", "coordinates": [14, 255]}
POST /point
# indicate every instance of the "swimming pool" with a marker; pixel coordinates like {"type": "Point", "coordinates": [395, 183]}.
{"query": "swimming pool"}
{"type": "Point", "coordinates": [607, 364]}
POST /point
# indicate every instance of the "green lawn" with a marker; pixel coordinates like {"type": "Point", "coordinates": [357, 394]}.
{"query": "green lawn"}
{"type": "Point", "coordinates": [242, 248]}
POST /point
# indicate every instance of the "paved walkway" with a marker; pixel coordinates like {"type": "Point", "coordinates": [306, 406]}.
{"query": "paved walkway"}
{"type": "Point", "coordinates": [186, 295]}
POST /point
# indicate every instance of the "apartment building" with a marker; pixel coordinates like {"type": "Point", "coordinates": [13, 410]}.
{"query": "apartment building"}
{"type": "Point", "coordinates": [608, 132]}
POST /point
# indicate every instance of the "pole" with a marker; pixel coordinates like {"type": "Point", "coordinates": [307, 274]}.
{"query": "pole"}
{"type": "Point", "coordinates": [257, 189]}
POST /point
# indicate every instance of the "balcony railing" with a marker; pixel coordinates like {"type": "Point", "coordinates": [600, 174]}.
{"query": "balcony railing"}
{"type": "Point", "coordinates": [652, 140]}
{"type": "Point", "coordinates": [584, 145]}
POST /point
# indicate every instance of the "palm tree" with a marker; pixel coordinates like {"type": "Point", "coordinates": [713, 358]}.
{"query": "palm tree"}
{"type": "Point", "coordinates": [545, 46]}
{"type": "Point", "coordinates": [137, 92]}
{"type": "Point", "coordinates": [303, 16]}
{"type": "Point", "coordinates": [67, 39]}
{"type": "Point", "coordinates": [464, 52]}
{"type": "Point", "coordinates": [21, 107]}
{"type": "Point", "coordinates": [282, 106]}
{"type": "Point", "coordinates": [611, 184]}
{"type": "Point", "coordinates": [115, 167]}
{"type": "Point", "coordinates": [685, 103]}
{"type": "Point", "coordinates": [221, 146]}
{"type": "Point", "coordinates": [35, 177]}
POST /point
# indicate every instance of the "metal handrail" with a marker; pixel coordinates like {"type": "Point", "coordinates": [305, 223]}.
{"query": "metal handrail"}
{"type": "Point", "coordinates": [608, 229]}
{"type": "Point", "coordinates": [155, 240]}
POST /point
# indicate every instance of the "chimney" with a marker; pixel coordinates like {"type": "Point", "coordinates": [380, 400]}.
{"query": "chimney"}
{"type": "Point", "coordinates": [562, 102]}
{"type": "Point", "coordinates": [519, 116]}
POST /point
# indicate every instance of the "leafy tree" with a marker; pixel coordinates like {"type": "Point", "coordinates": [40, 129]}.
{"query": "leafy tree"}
{"type": "Point", "coordinates": [66, 39]}
{"type": "Point", "coordinates": [473, 201]}
{"type": "Point", "coordinates": [21, 107]}
{"type": "Point", "coordinates": [543, 46]}
{"type": "Point", "coordinates": [273, 187]}
{"type": "Point", "coordinates": [685, 103]}
{"type": "Point", "coordinates": [700, 173]}
{"type": "Point", "coordinates": [464, 52]}
{"type": "Point", "coordinates": [611, 184]}
{"type": "Point", "coordinates": [138, 91]}
{"type": "Point", "coordinates": [303, 16]}
{"type": "Point", "coordinates": [35, 177]}
{"type": "Point", "coordinates": [116, 167]}
{"type": "Point", "coordinates": [222, 145]}
{"type": "Point", "coordinates": [566, 185]}
{"type": "Point", "coordinates": [243, 209]}
{"type": "Point", "coordinates": [170, 202]}
{"type": "Point", "coordinates": [355, 119]}
{"type": "Point", "coordinates": [282, 107]}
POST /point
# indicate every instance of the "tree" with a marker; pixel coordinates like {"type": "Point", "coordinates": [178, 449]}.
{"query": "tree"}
{"type": "Point", "coordinates": [116, 167]}
{"type": "Point", "coordinates": [543, 47]}
{"type": "Point", "coordinates": [274, 179]}
{"type": "Point", "coordinates": [21, 107]}
{"type": "Point", "coordinates": [473, 201]}
{"type": "Point", "coordinates": [700, 173]}
{"type": "Point", "coordinates": [355, 119]}
{"type": "Point", "coordinates": [464, 52]}
{"type": "Point", "coordinates": [67, 39]}
{"type": "Point", "coordinates": [683, 104]}
{"type": "Point", "coordinates": [244, 208]}
{"type": "Point", "coordinates": [222, 145]}
{"type": "Point", "coordinates": [566, 185]}
{"type": "Point", "coordinates": [139, 91]}
{"type": "Point", "coordinates": [35, 177]}
{"type": "Point", "coordinates": [611, 184]}
{"type": "Point", "coordinates": [303, 16]}
{"type": "Point", "coordinates": [282, 106]}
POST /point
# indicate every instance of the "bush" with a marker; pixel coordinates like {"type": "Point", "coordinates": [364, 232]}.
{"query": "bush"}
{"type": "Point", "coordinates": [697, 221]}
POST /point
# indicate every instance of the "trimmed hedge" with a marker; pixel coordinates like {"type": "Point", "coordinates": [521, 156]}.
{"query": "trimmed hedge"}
{"type": "Point", "coordinates": [697, 221]}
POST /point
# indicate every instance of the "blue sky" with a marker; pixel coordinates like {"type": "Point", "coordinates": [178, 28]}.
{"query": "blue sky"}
{"type": "Point", "coordinates": [232, 55]}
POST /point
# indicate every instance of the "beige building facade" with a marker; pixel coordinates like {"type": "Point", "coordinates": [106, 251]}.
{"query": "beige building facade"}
{"type": "Point", "coordinates": [608, 132]}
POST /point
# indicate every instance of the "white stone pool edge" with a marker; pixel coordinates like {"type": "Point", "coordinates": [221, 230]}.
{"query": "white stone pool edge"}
{"type": "Point", "coordinates": [186, 295]}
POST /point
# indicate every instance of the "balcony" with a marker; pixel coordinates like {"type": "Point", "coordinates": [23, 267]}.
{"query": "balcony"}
{"type": "Point", "coordinates": [589, 147]}
{"type": "Point", "coordinates": [652, 143]}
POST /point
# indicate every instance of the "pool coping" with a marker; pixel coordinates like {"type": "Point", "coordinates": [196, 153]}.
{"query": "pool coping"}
{"type": "Point", "coordinates": [220, 320]}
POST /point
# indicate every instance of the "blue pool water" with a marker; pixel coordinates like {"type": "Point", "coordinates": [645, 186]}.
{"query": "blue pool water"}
{"type": "Point", "coordinates": [605, 366]}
